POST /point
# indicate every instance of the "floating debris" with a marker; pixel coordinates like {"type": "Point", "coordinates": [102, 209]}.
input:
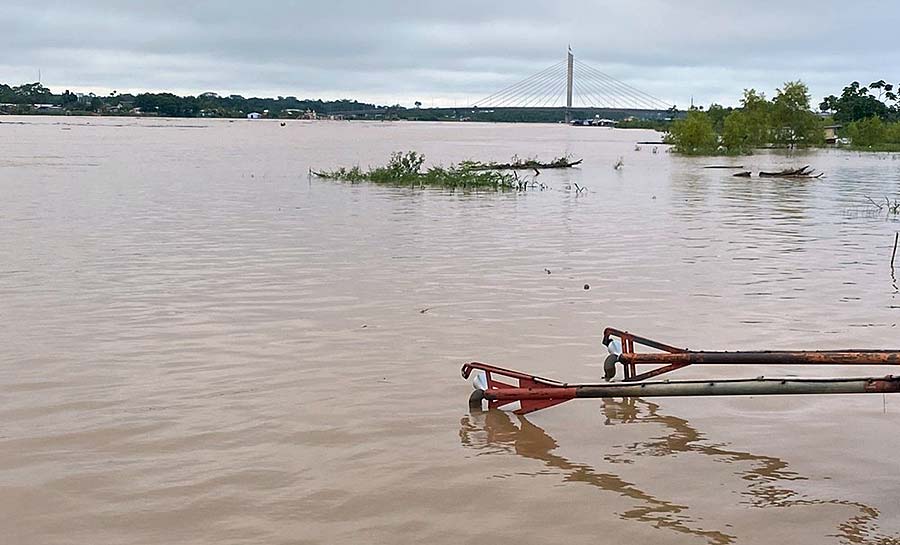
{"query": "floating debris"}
{"type": "Point", "coordinates": [894, 253]}
{"type": "Point", "coordinates": [522, 164]}
{"type": "Point", "coordinates": [803, 172]}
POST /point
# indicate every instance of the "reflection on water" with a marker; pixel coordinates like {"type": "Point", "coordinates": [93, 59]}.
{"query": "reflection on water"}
{"type": "Point", "coordinates": [767, 478]}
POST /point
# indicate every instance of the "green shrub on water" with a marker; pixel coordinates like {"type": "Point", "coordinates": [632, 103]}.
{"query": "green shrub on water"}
{"type": "Point", "coordinates": [693, 135]}
{"type": "Point", "coordinates": [873, 134]}
{"type": "Point", "coordinates": [405, 168]}
{"type": "Point", "coordinates": [866, 132]}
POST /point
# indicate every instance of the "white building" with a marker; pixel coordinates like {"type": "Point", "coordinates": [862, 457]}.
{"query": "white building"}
{"type": "Point", "coordinates": [254, 115]}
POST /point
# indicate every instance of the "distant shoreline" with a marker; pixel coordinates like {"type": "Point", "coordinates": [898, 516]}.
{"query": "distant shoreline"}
{"type": "Point", "coordinates": [92, 115]}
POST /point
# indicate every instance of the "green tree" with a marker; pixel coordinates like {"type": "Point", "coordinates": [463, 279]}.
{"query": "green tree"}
{"type": "Point", "coordinates": [693, 135]}
{"type": "Point", "coordinates": [736, 133]}
{"type": "Point", "coordinates": [855, 103]}
{"type": "Point", "coordinates": [828, 104]}
{"type": "Point", "coordinates": [792, 121]}
{"type": "Point", "coordinates": [29, 93]}
{"type": "Point", "coordinates": [758, 113]}
{"type": "Point", "coordinates": [892, 133]}
{"type": "Point", "coordinates": [68, 98]}
{"type": "Point", "coordinates": [717, 114]}
{"type": "Point", "coordinates": [7, 94]}
{"type": "Point", "coordinates": [867, 132]}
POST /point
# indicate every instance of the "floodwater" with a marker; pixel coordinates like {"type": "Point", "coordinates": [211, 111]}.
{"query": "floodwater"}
{"type": "Point", "coordinates": [200, 344]}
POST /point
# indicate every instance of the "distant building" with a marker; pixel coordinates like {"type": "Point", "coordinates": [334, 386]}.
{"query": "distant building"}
{"type": "Point", "coordinates": [596, 122]}
{"type": "Point", "coordinates": [254, 115]}
{"type": "Point", "coordinates": [831, 136]}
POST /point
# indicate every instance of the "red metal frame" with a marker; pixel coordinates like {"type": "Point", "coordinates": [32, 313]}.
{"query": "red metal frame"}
{"type": "Point", "coordinates": [550, 391]}
{"type": "Point", "coordinates": [505, 387]}
{"type": "Point", "coordinates": [628, 341]}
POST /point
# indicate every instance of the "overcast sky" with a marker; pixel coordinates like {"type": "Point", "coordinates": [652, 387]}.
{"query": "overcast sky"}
{"type": "Point", "coordinates": [444, 53]}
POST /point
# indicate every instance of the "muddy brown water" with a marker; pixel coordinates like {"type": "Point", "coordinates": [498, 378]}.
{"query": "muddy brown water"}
{"type": "Point", "coordinates": [201, 344]}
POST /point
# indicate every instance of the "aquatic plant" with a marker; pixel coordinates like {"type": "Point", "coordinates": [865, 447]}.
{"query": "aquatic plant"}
{"type": "Point", "coordinates": [405, 168]}
{"type": "Point", "coordinates": [892, 207]}
{"type": "Point", "coordinates": [516, 163]}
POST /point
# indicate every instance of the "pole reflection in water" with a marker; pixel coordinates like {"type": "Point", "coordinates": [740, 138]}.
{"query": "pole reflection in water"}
{"type": "Point", "coordinates": [499, 433]}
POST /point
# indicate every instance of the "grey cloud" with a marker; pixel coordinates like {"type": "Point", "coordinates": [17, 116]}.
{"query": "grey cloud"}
{"type": "Point", "coordinates": [396, 51]}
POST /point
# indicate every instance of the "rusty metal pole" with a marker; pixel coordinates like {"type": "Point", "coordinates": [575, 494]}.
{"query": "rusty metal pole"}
{"type": "Point", "coordinates": [739, 387]}
{"type": "Point", "coordinates": [822, 357]}
{"type": "Point", "coordinates": [504, 387]}
{"type": "Point", "coordinates": [689, 388]}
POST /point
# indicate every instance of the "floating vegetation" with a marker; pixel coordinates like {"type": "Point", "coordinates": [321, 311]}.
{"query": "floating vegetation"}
{"type": "Point", "coordinates": [405, 168]}
{"type": "Point", "coordinates": [523, 164]}
{"type": "Point", "coordinates": [803, 172]}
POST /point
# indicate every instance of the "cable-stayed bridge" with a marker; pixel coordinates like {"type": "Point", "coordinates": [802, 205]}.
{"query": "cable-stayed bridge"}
{"type": "Point", "coordinates": [566, 90]}
{"type": "Point", "coordinates": [573, 85]}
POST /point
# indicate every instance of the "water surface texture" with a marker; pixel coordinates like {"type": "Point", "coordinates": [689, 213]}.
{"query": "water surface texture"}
{"type": "Point", "coordinates": [200, 344]}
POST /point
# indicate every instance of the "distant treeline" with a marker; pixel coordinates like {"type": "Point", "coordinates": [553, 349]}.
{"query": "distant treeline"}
{"type": "Point", "coordinates": [35, 98]}
{"type": "Point", "coordinates": [859, 118]}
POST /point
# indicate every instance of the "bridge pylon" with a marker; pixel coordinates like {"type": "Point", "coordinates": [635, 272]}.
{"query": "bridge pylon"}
{"type": "Point", "coordinates": [571, 84]}
{"type": "Point", "coordinates": [570, 72]}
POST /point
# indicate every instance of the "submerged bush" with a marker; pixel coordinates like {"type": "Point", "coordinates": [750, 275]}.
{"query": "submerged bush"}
{"type": "Point", "coordinates": [866, 132]}
{"type": "Point", "coordinates": [406, 169]}
{"type": "Point", "coordinates": [693, 135]}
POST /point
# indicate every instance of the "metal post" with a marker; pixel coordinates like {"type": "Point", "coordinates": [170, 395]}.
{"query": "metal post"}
{"type": "Point", "coordinates": [740, 387]}
{"type": "Point", "coordinates": [569, 69]}
{"type": "Point", "coordinates": [774, 357]}
{"type": "Point", "coordinates": [553, 395]}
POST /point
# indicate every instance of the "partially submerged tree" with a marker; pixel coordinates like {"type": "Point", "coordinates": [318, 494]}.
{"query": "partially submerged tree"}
{"type": "Point", "coordinates": [866, 132]}
{"type": "Point", "coordinates": [736, 134]}
{"type": "Point", "coordinates": [405, 169]}
{"type": "Point", "coordinates": [792, 121]}
{"type": "Point", "coordinates": [693, 135]}
{"type": "Point", "coordinates": [757, 119]}
{"type": "Point", "coordinates": [717, 114]}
